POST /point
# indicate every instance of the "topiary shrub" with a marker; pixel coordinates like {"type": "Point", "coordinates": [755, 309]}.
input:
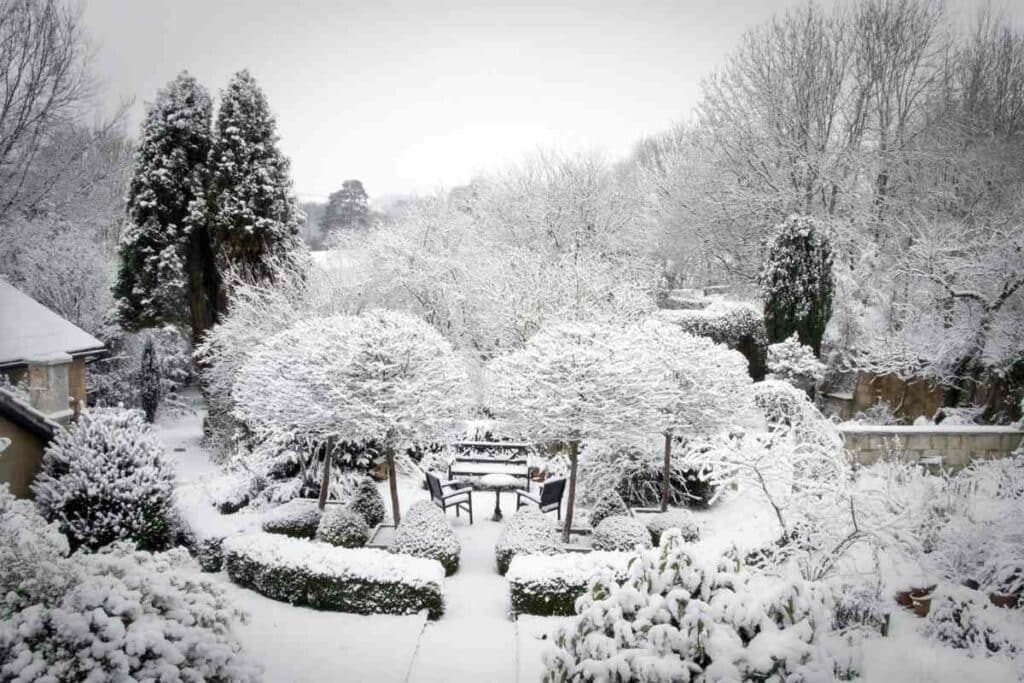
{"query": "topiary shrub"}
{"type": "Point", "coordinates": [322, 576]}
{"type": "Point", "coordinates": [529, 532]}
{"type": "Point", "coordinates": [342, 527]}
{"type": "Point", "coordinates": [549, 585]}
{"type": "Point", "coordinates": [297, 518]}
{"type": "Point", "coordinates": [607, 504]}
{"type": "Point", "coordinates": [658, 523]}
{"type": "Point", "coordinates": [106, 479]}
{"type": "Point", "coordinates": [368, 502]}
{"type": "Point", "coordinates": [680, 616]}
{"type": "Point", "coordinates": [620, 533]}
{"type": "Point", "coordinates": [424, 532]}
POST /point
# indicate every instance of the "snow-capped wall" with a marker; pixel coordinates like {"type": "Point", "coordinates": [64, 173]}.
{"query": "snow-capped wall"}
{"type": "Point", "coordinates": [956, 445]}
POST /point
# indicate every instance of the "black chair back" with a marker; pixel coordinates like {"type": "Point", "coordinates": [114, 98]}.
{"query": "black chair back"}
{"type": "Point", "coordinates": [434, 486]}
{"type": "Point", "coordinates": [551, 492]}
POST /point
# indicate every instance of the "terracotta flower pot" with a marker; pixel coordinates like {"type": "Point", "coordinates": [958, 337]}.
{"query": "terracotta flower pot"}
{"type": "Point", "coordinates": [903, 598]}
{"type": "Point", "coordinates": [917, 598]}
{"type": "Point", "coordinates": [1005, 600]}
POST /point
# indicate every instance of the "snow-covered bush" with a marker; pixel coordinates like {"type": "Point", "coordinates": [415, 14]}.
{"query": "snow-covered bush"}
{"type": "Point", "coordinates": [608, 503]}
{"type": "Point", "coordinates": [528, 532]}
{"type": "Point", "coordinates": [658, 523]}
{"type": "Point", "coordinates": [790, 361]}
{"type": "Point", "coordinates": [424, 532]}
{"type": "Point", "coordinates": [683, 617]}
{"type": "Point", "coordinates": [342, 527]}
{"type": "Point", "coordinates": [297, 518]}
{"type": "Point", "coordinates": [549, 585]}
{"type": "Point", "coordinates": [318, 575]}
{"type": "Point", "coordinates": [618, 532]}
{"type": "Point", "coordinates": [232, 490]}
{"type": "Point", "coordinates": [106, 479]}
{"type": "Point", "coordinates": [118, 614]}
{"type": "Point", "coordinates": [118, 379]}
{"type": "Point", "coordinates": [964, 618]}
{"type": "Point", "coordinates": [368, 502]}
{"type": "Point", "coordinates": [738, 325]}
{"type": "Point", "coordinates": [861, 608]}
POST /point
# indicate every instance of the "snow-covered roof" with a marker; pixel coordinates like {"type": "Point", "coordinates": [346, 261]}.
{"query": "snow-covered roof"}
{"type": "Point", "coordinates": [30, 330]}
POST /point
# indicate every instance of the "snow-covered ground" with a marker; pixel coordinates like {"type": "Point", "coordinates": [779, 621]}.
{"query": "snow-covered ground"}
{"type": "Point", "coordinates": [476, 640]}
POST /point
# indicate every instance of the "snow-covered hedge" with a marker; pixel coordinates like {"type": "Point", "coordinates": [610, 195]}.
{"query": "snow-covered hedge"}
{"type": "Point", "coordinates": [343, 527]}
{"type": "Point", "coordinates": [368, 502]}
{"type": "Point", "coordinates": [548, 585]}
{"type": "Point", "coordinates": [425, 532]}
{"type": "Point", "coordinates": [619, 532]}
{"type": "Point", "coordinates": [660, 522]}
{"type": "Point", "coordinates": [118, 614]}
{"type": "Point", "coordinates": [529, 532]}
{"type": "Point", "coordinates": [298, 518]}
{"type": "Point", "coordinates": [964, 618]}
{"type": "Point", "coordinates": [106, 479]}
{"type": "Point", "coordinates": [608, 503]}
{"type": "Point", "coordinates": [683, 617]}
{"type": "Point", "coordinates": [724, 322]}
{"type": "Point", "coordinates": [359, 580]}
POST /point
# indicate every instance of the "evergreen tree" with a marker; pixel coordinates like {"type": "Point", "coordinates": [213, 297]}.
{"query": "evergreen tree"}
{"type": "Point", "coordinates": [149, 380]}
{"type": "Point", "coordinates": [166, 273]}
{"type": "Point", "coordinates": [797, 283]}
{"type": "Point", "coordinates": [347, 209]}
{"type": "Point", "coordinates": [253, 216]}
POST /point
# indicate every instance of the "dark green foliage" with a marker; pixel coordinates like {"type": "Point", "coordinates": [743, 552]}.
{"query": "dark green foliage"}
{"type": "Point", "coordinates": [347, 209]}
{"type": "Point", "coordinates": [342, 527]}
{"type": "Point", "coordinates": [149, 379]}
{"type": "Point", "coordinates": [556, 598]}
{"type": "Point", "coordinates": [641, 487]}
{"type": "Point", "coordinates": [797, 283]}
{"type": "Point", "coordinates": [608, 504]}
{"type": "Point", "coordinates": [252, 212]}
{"type": "Point", "coordinates": [530, 532]}
{"type": "Point", "coordinates": [297, 518]}
{"type": "Point", "coordinates": [166, 272]}
{"type": "Point", "coordinates": [368, 503]}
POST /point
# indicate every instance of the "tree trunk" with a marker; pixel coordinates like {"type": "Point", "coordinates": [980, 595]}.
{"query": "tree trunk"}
{"type": "Point", "coordinates": [392, 483]}
{"type": "Point", "coordinates": [325, 480]}
{"type": "Point", "coordinates": [202, 283]}
{"type": "Point", "coordinates": [574, 447]}
{"type": "Point", "coordinates": [666, 472]}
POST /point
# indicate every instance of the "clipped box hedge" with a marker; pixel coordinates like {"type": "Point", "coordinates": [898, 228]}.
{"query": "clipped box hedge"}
{"type": "Point", "coordinates": [319, 575]}
{"type": "Point", "coordinates": [548, 585]}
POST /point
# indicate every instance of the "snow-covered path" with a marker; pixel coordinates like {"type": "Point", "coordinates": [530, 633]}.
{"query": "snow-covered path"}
{"type": "Point", "coordinates": [476, 639]}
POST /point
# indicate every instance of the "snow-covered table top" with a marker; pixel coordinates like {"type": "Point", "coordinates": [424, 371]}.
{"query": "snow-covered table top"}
{"type": "Point", "coordinates": [498, 481]}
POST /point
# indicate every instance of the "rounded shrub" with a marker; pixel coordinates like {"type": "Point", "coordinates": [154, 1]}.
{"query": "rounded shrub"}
{"type": "Point", "coordinates": [620, 533]}
{"type": "Point", "coordinates": [368, 502]}
{"type": "Point", "coordinates": [297, 518]}
{"type": "Point", "coordinates": [424, 532]}
{"type": "Point", "coordinates": [529, 532]}
{"type": "Point", "coordinates": [658, 523]}
{"type": "Point", "coordinates": [342, 527]}
{"type": "Point", "coordinates": [607, 504]}
{"type": "Point", "coordinates": [106, 479]}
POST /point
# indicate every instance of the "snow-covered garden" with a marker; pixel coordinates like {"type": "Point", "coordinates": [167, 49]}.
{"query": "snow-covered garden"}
{"type": "Point", "coordinates": [572, 421]}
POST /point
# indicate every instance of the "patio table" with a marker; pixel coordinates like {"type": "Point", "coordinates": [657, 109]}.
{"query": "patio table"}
{"type": "Point", "coordinates": [497, 483]}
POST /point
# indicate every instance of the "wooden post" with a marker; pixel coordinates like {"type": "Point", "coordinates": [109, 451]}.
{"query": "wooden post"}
{"type": "Point", "coordinates": [574, 447]}
{"type": "Point", "coordinates": [325, 481]}
{"type": "Point", "coordinates": [666, 472]}
{"type": "Point", "coordinates": [392, 482]}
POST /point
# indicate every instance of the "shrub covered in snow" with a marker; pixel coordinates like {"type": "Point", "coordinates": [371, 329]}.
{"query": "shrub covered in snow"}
{"type": "Point", "coordinates": [342, 527]}
{"type": "Point", "coordinates": [619, 532]}
{"type": "Point", "coordinates": [298, 518]}
{"type": "Point", "coordinates": [359, 580]}
{"type": "Point", "coordinates": [549, 585]}
{"type": "Point", "coordinates": [119, 614]}
{"type": "Point", "coordinates": [790, 361]}
{"type": "Point", "coordinates": [608, 503]}
{"type": "Point", "coordinates": [368, 502]}
{"type": "Point", "coordinates": [528, 532]}
{"type": "Point", "coordinates": [425, 532]}
{"type": "Point", "coordinates": [658, 523]}
{"type": "Point", "coordinates": [107, 479]}
{"type": "Point", "coordinates": [964, 618]}
{"type": "Point", "coordinates": [682, 617]}
{"type": "Point", "coordinates": [738, 325]}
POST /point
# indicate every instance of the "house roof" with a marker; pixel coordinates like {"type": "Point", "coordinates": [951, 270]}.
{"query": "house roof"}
{"type": "Point", "coordinates": [31, 330]}
{"type": "Point", "coordinates": [24, 415]}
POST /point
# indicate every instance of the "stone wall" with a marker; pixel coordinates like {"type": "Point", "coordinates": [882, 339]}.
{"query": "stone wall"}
{"type": "Point", "coordinates": [955, 445]}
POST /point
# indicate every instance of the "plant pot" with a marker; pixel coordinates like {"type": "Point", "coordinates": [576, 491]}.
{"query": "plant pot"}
{"type": "Point", "coordinates": [1005, 600]}
{"type": "Point", "coordinates": [903, 598]}
{"type": "Point", "coordinates": [922, 600]}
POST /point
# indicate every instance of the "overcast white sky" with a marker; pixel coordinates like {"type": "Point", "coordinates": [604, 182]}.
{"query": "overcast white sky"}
{"type": "Point", "coordinates": [414, 96]}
